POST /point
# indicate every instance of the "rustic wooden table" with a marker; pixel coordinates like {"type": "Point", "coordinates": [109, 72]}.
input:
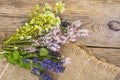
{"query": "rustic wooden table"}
{"type": "Point", "coordinates": [100, 17]}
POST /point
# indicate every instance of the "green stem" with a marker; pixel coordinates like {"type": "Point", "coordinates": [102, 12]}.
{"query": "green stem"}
{"type": "Point", "coordinates": [25, 41]}
{"type": "Point", "coordinates": [4, 52]}
{"type": "Point", "coordinates": [51, 56]}
{"type": "Point", "coordinates": [31, 56]}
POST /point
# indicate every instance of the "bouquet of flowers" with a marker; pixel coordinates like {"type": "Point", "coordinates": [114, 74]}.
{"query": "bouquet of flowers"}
{"type": "Point", "coordinates": [36, 45]}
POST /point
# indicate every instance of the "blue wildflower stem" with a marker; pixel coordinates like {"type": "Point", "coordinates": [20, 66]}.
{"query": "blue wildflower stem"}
{"type": "Point", "coordinates": [40, 77]}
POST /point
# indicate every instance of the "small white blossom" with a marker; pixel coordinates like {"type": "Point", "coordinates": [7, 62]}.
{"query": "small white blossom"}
{"type": "Point", "coordinates": [28, 37]}
{"type": "Point", "coordinates": [64, 39]}
{"type": "Point", "coordinates": [54, 46]}
{"type": "Point", "coordinates": [63, 57]}
{"type": "Point", "coordinates": [30, 49]}
{"type": "Point", "coordinates": [15, 48]}
{"type": "Point", "coordinates": [72, 39]}
{"type": "Point", "coordinates": [17, 29]}
{"type": "Point", "coordinates": [67, 60]}
{"type": "Point", "coordinates": [77, 23]}
{"type": "Point", "coordinates": [36, 42]}
{"type": "Point", "coordinates": [22, 38]}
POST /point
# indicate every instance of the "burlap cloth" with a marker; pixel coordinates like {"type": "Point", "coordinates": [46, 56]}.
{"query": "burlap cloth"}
{"type": "Point", "coordinates": [84, 66]}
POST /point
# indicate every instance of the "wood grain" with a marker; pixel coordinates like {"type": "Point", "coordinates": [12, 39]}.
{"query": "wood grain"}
{"type": "Point", "coordinates": [100, 17]}
{"type": "Point", "coordinates": [10, 24]}
{"type": "Point", "coordinates": [111, 56]}
{"type": "Point", "coordinates": [94, 15]}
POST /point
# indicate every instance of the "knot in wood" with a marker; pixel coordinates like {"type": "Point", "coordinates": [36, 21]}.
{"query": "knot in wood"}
{"type": "Point", "coordinates": [114, 25]}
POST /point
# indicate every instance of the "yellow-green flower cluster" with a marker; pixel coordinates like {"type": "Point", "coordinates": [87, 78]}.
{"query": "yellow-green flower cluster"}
{"type": "Point", "coordinates": [40, 22]}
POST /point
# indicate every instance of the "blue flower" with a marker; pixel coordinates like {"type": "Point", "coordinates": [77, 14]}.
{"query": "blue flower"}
{"type": "Point", "coordinates": [59, 67]}
{"type": "Point", "coordinates": [54, 53]}
{"type": "Point", "coordinates": [47, 64]}
{"type": "Point", "coordinates": [26, 60]}
{"type": "Point", "coordinates": [45, 76]}
{"type": "Point", "coordinates": [35, 71]}
{"type": "Point", "coordinates": [50, 65]}
{"type": "Point", "coordinates": [35, 60]}
{"type": "Point", "coordinates": [64, 24]}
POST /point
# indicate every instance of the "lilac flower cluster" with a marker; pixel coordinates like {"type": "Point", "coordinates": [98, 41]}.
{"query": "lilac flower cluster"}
{"type": "Point", "coordinates": [57, 36]}
{"type": "Point", "coordinates": [54, 39]}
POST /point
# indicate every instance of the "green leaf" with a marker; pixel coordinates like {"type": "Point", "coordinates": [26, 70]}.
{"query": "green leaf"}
{"type": "Point", "coordinates": [38, 66]}
{"type": "Point", "coordinates": [2, 56]}
{"type": "Point", "coordinates": [43, 52]}
{"type": "Point", "coordinates": [23, 64]}
{"type": "Point", "coordinates": [22, 53]}
{"type": "Point", "coordinates": [10, 59]}
{"type": "Point", "coordinates": [15, 55]}
{"type": "Point", "coordinates": [30, 56]}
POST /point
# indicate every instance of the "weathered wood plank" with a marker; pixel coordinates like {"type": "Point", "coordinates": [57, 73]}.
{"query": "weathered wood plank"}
{"type": "Point", "coordinates": [11, 23]}
{"type": "Point", "coordinates": [3, 63]}
{"type": "Point", "coordinates": [94, 14]}
{"type": "Point", "coordinates": [101, 35]}
{"type": "Point", "coordinates": [76, 7]}
{"type": "Point", "coordinates": [109, 55]}
{"type": "Point", "coordinates": [4, 36]}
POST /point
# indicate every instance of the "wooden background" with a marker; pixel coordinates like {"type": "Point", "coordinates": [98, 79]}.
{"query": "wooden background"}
{"type": "Point", "coordinates": [100, 17]}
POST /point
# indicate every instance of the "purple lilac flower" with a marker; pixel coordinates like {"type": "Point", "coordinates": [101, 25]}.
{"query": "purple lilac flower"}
{"type": "Point", "coordinates": [45, 76]}
{"type": "Point", "coordinates": [50, 65]}
{"type": "Point", "coordinates": [64, 24]}
{"type": "Point", "coordinates": [54, 46]}
{"type": "Point", "coordinates": [54, 53]}
{"type": "Point", "coordinates": [77, 23]}
{"type": "Point", "coordinates": [35, 60]}
{"type": "Point", "coordinates": [26, 60]}
{"type": "Point", "coordinates": [35, 71]}
{"type": "Point", "coordinates": [53, 39]}
{"type": "Point", "coordinates": [56, 36]}
{"type": "Point", "coordinates": [59, 68]}
{"type": "Point", "coordinates": [74, 31]}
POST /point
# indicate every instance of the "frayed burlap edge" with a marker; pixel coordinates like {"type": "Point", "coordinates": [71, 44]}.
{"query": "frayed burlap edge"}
{"type": "Point", "coordinates": [83, 66]}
